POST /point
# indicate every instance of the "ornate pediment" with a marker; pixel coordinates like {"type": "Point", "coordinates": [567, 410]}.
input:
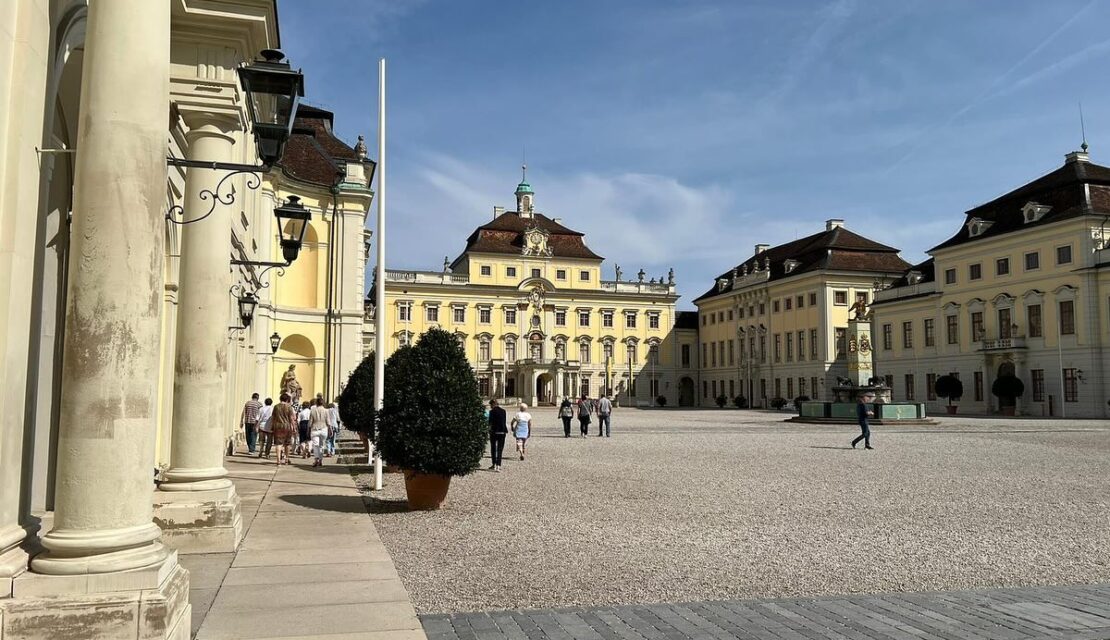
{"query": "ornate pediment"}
{"type": "Point", "coordinates": [535, 242]}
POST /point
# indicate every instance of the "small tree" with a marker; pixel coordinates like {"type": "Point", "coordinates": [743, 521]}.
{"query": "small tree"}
{"type": "Point", "coordinates": [778, 403]}
{"type": "Point", "coordinates": [433, 419]}
{"type": "Point", "coordinates": [949, 387]}
{"type": "Point", "coordinates": [721, 400]}
{"type": "Point", "coordinates": [356, 401]}
{"type": "Point", "coordinates": [799, 400]}
{"type": "Point", "coordinates": [740, 402]}
{"type": "Point", "coordinates": [1008, 387]}
{"type": "Point", "coordinates": [661, 401]}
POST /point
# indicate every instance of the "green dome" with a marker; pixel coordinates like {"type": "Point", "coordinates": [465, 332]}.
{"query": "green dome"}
{"type": "Point", "coordinates": [524, 187]}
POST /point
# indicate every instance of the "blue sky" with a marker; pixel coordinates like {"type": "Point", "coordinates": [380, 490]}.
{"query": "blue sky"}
{"type": "Point", "coordinates": [683, 133]}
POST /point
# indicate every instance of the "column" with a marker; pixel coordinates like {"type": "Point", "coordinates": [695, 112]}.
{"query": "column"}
{"type": "Point", "coordinates": [197, 506]}
{"type": "Point", "coordinates": [108, 574]}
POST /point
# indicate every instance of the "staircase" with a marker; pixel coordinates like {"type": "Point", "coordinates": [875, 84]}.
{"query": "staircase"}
{"type": "Point", "coordinates": [349, 449]}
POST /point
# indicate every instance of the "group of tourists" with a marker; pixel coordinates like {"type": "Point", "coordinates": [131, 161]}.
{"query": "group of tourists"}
{"type": "Point", "coordinates": [306, 430]}
{"type": "Point", "coordinates": [521, 424]}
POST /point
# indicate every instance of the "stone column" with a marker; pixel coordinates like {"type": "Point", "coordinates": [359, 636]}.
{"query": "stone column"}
{"type": "Point", "coordinates": [109, 575]}
{"type": "Point", "coordinates": [197, 506]}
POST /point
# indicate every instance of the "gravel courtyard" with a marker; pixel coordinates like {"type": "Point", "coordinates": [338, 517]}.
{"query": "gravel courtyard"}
{"type": "Point", "coordinates": [684, 505]}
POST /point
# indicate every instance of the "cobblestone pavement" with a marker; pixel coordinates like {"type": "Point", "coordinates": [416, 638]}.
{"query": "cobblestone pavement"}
{"type": "Point", "coordinates": [1064, 613]}
{"type": "Point", "coordinates": [720, 505]}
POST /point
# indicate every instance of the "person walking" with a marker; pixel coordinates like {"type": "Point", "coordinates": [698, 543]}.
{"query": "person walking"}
{"type": "Point", "coordinates": [304, 437]}
{"type": "Point", "coordinates": [249, 420]}
{"type": "Point", "coordinates": [862, 413]}
{"type": "Point", "coordinates": [566, 412]}
{"type": "Point", "coordinates": [604, 410]}
{"type": "Point", "coordinates": [265, 429]}
{"type": "Point", "coordinates": [585, 408]}
{"type": "Point", "coordinates": [522, 425]}
{"type": "Point", "coordinates": [497, 432]}
{"type": "Point", "coordinates": [333, 427]}
{"type": "Point", "coordinates": [318, 423]}
{"type": "Point", "coordinates": [283, 424]}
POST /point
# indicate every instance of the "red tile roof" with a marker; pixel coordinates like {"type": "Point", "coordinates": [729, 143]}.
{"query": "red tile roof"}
{"type": "Point", "coordinates": [505, 234]}
{"type": "Point", "coordinates": [313, 153]}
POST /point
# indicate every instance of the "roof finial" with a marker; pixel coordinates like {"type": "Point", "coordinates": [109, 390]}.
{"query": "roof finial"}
{"type": "Point", "coordinates": [1082, 128]}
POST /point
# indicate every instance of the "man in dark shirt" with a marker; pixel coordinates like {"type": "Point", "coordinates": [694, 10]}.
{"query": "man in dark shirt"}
{"type": "Point", "coordinates": [497, 432]}
{"type": "Point", "coordinates": [862, 412]}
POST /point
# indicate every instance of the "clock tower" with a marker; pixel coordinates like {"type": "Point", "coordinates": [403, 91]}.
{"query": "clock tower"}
{"type": "Point", "coordinates": [524, 195]}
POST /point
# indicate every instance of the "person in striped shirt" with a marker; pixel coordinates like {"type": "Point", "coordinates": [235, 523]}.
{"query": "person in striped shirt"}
{"type": "Point", "coordinates": [250, 420]}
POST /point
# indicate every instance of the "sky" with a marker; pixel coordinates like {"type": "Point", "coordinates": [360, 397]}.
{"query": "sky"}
{"type": "Point", "coordinates": [681, 134]}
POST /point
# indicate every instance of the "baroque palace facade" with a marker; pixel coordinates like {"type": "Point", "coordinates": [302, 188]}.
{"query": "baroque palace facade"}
{"type": "Point", "coordinates": [1022, 288]}
{"type": "Point", "coordinates": [131, 340]}
{"type": "Point", "coordinates": [528, 302]}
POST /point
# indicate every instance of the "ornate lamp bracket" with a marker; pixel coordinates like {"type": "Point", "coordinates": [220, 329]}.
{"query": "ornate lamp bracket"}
{"type": "Point", "coordinates": [221, 194]}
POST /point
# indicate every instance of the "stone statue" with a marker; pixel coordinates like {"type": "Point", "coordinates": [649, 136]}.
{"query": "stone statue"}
{"type": "Point", "coordinates": [290, 385]}
{"type": "Point", "coordinates": [446, 264]}
{"type": "Point", "coordinates": [619, 272]}
{"type": "Point", "coordinates": [670, 276]}
{"type": "Point", "coordinates": [360, 148]}
{"type": "Point", "coordinates": [652, 281]}
{"type": "Point", "coordinates": [641, 275]}
{"type": "Point", "coordinates": [860, 310]}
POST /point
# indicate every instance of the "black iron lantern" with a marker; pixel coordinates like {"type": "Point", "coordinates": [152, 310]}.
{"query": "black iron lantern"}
{"type": "Point", "coordinates": [247, 304]}
{"type": "Point", "coordinates": [273, 89]}
{"type": "Point", "coordinates": [292, 222]}
{"type": "Point", "coordinates": [275, 342]}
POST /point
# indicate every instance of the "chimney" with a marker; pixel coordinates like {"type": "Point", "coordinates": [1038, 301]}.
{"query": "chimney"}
{"type": "Point", "coordinates": [558, 220]}
{"type": "Point", "coordinates": [760, 248]}
{"type": "Point", "coordinates": [834, 223]}
{"type": "Point", "coordinates": [497, 211]}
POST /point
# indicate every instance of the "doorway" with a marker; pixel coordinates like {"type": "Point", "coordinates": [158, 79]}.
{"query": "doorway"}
{"type": "Point", "coordinates": [544, 389]}
{"type": "Point", "coordinates": [686, 392]}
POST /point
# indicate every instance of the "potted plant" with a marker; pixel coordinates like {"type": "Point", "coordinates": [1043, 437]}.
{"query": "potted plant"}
{"type": "Point", "coordinates": [721, 401]}
{"type": "Point", "coordinates": [778, 403]}
{"type": "Point", "coordinates": [661, 401]}
{"type": "Point", "coordinates": [356, 401]}
{"type": "Point", "coordinates": [1007, 389]}
{"type": "Point", "coordinates": [740, 402]}
{"type": "Point", "coordinates": [799, 400]}
{"type": "Point", "coordinates": [432, 423]}
{"type": "Point", "coordinates": [950, 388]}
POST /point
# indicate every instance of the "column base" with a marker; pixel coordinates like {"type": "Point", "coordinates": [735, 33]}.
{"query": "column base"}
{"type": "Point", "coordinates": [199, 521]}
{"type": "Point", "coordinates": [141, 604]}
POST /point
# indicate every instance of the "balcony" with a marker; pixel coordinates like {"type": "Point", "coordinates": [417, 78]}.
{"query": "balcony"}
{"type": "Point", "coordinates": [654, 288]}
{"type": "Point", "coordinates": [427, 277]}
{"type": "Point", "coordinates": [1002, 344]}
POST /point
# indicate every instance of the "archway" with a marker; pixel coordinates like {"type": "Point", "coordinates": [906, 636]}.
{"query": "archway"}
{"type": "Point", "coordinates": [1006, 369]}
{"type": "Point", "coordinates": [297, 351]}
{"type": "Point", "coordinates": [686, 392]}
{"type": "Point", "coordinates": [544, 390]}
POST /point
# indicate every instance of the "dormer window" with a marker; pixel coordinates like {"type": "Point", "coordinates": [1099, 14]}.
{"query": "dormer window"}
{"type": "Point", "coordinates": [790, 265]}
{"type": "Point", "coordinates": [1033, 211]}
{"type": "Point", "coordinates": [913, 277]}
{"type": "Point", "coordinates": [722, 283]}
{"type": "Point", "coordinates": [976, 226]}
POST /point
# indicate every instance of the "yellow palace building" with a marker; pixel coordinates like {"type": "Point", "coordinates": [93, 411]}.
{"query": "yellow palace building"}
{"type": "Point", "coordinates": [528, 301]}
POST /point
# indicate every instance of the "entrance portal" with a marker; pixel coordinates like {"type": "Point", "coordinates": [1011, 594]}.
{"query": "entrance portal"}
{"type": "Point", "coordinates": [544, 391]}
{"type": "Point", "coordinates": [686, 392]}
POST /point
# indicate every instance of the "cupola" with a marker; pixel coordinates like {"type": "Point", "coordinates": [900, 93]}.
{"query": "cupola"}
{"type": "Point", "coordinates": [524, 195]}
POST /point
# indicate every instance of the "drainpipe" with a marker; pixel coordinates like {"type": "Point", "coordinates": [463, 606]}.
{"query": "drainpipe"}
{"type": "Point", "coordinates": [329, 360]}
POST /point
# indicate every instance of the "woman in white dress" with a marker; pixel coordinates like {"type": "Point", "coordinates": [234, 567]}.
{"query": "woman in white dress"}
{"type": "Point", "coordinates": [522, 427]}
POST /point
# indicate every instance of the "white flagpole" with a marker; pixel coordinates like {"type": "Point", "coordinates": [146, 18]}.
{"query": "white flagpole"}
{"type": "Point", "coordinates": [379, 297]}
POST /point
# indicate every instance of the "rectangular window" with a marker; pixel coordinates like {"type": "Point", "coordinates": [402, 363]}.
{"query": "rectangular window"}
{"type": "Point", "coordinates": [483, 386]}
{"type": "Point", "coordinates": [483, 352]}
{"type": "Point", "coordinates": [731, 352]}
{"type": "Point", "coordinates": [813, 346]}
{"type": "Point", "coordinates": [704, 319]}
{"type": "Point", "coordinates": [584, 386]}
{"type": "Point", "coordinates": [740, 312]}
{"type": "Point", "coordinates": [976, 326]}
{"type": "Point", "coordinates": [431, 314]}
{"type": "Point", "coordinates": [974, 271]}
{"type": "Point", "coordinates": [560, 274]}
{"type": "Point", "coordinates": [1032, 260]}
{"type": "Point", "coordinates": [1005, 324]}
{"type": "Point", "coordinates": [713, 354]}
{"type": "Point", "coordinates": [1038, 384]}
{"type": "Point", "coordinates": [630, 352]}
{"type": "Point", "coordinates": [704, 388]}
{"type": "Point", "coordinates": [655, 388]}
{"type": "Point", "coordinates": [730, 315]}
{"type": "Point", "coordinates": [486, 270]}
{"type": "Point", "coordinates": [510, 316]}
{"type": "Point", "coordinates": [861, 296]}
{"type": "Point", "coordinates": [813, 385]}
{"type": "Point", "coordinates": [1033, 320]}
{"type": "Point", "coordinates": [841, 336]}
{"type": "Point", "coordinates": [931, 386]}
{"type": "Point", "coordinates": [484, 315]}
{"type": "Point", "coordinates": [789, 346]}
{"type": "Point", "coordinates": [653, 321]}
{"type": "Point", "coordinates": [584, 352]}
{"type": "Point", "coordinates": [840, 298]}
{"type": "Point", "coordinates": [763, 387]}
{"type": "Point", "coordinates": [888, 337]}
{"type": "Point", "coordinates": [909, 387]}
{"type": "Point", "coordinates": [536, 273]}
{"type": "Point", "coordinates": [404, 312]}
{"type": "Point", "coordinates": [813, 299]}
{"type": "Point", "coordinates": [686, 356]}
{"type": "Point", "coordinates": [763, 348]}
{"type": "Point", "coordinates": [1071, 386]}
{"type": "Point", "coordinates": [704, 359]}
{"type": "Point", "coordinates": [762, 308]}
{"type": "Point", "coordinates": [731, 388]}
{"type": "Point", "coordinates": [800, 302]}
{"type": "Point", "coordinates": [949, 276]}
{"type": "Point", "coordinates": [510, 352]}
{"type": "Point", "coordinates": [978, 378]}
{"type": "Point", "coordinates": [510, 272]}
{"type": "Point", "coordinates": [721, 352]}
{"type": "Point", "coordinates": [714, 389]}
{"type": "Point", "coordinates": [583, 318]}
{"type": "Point", "coordinates": [1067, 317]}
{"type": "Point", "coordinates": [790, 388]}
{"type": "Point", "coordinates": [930, 333]}
{"type": "Point", "coordinates": [907, 335]}
{"type": "Point", "coordinates": [607, 351]}
{"type": "Point", "coordinates": [801, 386]}
{"type": "Point", "coordinates": [778, 347]}
{"type": "Point", "coordinates": [1002, 266]}
{"type": "Point", "coordinates": [778, 387]}
{"type": "Point", "coordinates": [774, 306]}
{"type": "Point", "coordinates": [584, 276]}
{"type": "Point", "coordinates": [607, 319]}
{"type": "Point", "coordinates": [458, 314]}
{"type": "Point", "coordinates": [801, 346]}
{"type": "Point", "coordinates": [560, 318]}
{"type": "Point", "coordinates": [952, 329]}
{"type": "Point", "coordinates": [630, 320]}
{"type": "Point", "coordinates": [1063, 254]}
{"type": "Point", "coordinates": [788, 303]}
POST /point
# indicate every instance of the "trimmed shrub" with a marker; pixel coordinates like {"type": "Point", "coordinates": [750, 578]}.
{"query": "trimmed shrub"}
{"type": "Point", "coordinates": [721, 400]}
{"type": "Point", "coordinates": [433, 419]}
{"type": "Point", "coordinates": [740, 402]}
{"type": "Point", "coordinates": [799, 400]}
{"type": "Point", "coordinates": [1008, 387]}
{"type": "Point", "coordinates": [949, 387]}
{"type": "Point", "coordinates": [661, 401]}
{"type": "Point", "coordinates": [778, 403]}
{"type": "Point", "coordinates": [356, 401]}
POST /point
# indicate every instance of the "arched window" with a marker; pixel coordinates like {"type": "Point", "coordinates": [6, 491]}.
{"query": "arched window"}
{"type": "Point", "coordinates": [584, 352]}
{"type": "Point", "coordinates": [630, 351]}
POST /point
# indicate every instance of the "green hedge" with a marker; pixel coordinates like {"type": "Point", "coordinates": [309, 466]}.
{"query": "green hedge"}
{"type": "Point", "coordinates": [356, 401]}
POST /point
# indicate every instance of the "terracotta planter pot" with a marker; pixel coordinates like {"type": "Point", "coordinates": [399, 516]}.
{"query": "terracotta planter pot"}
{"type": "Point", "coordinates": [426, 491]}
{"type": "Point", "coordinates": [1007, 411]}
{"type": "Point", "coordinates": [951, 409]}
{"type": "Point", "coordinates": [392, 468]}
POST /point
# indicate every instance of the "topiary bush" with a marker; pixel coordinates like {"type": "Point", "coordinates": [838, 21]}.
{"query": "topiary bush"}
{"type": "Point", "coordinates": [799, 400]}
{"type": "Point", "coordinates": [661, 401]}
{"type": "Point", "coordinates": [778, 403]}
{"type": "Point", "coordinates": [1008, 387]}
{"type": "Point", "coordinates": [949, 388]}
{"type": "Point", "coordinates": [433, 419]}
{"type": "Point", "coordinates": [356, 401]}
{"type": "Point", "coordinates": [721, 400]}
{"type": "Point", "coordinates": [740, 402]}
